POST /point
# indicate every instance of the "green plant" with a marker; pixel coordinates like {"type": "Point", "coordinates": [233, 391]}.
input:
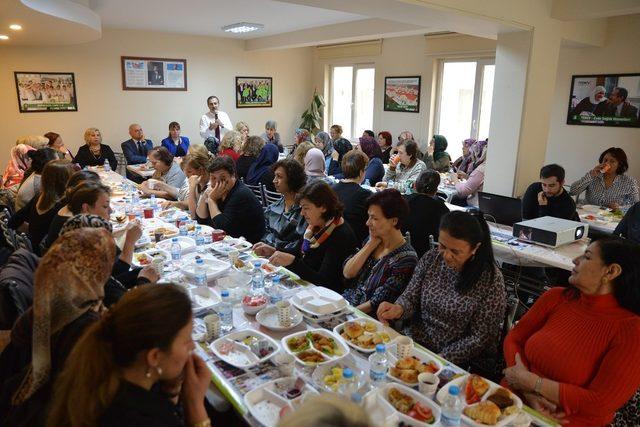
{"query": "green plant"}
{"type": "Point", "coordinates": [312, 118]}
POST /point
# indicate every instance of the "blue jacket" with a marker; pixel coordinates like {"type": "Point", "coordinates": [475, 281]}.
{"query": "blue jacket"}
{"type": "Point", "coordinates": [172, 147]}
{"type": "Point", "coordinates": [131, 153]}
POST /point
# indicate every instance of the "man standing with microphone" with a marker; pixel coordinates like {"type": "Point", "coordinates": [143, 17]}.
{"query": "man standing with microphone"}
{"type": "Point", "coordinates": [214, 124]}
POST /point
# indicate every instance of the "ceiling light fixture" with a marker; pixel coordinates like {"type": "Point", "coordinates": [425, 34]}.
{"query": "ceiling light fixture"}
{"type": "Point", "coordinates": [3, 37]}
{"type": "Point", "coordinates": [15, 27]}
{"type": "Point", "coordinates": [242, 27]}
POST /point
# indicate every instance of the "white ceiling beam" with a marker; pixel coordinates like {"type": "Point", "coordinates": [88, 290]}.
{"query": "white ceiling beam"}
{"type": "Point", "coordinates": [577, 10]}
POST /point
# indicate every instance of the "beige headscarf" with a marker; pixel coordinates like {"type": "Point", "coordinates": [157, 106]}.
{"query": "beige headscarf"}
{"type": "Point", "coordinates": [69, 282]}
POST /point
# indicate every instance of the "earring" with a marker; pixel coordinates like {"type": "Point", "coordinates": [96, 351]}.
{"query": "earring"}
{"type": "Point", "coordinates": [148, 373]}
{"type": "Point", "coordinates": [159, 370]}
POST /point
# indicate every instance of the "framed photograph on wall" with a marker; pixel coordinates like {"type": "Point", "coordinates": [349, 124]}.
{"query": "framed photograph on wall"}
{"type": "Point", "coordinates": [254, 92]}
{"type": "Point", "coordinates": [141, 73]}
{"type": "Point", "coordinates": [402, 94]}
{"type": "Point", "coordinates": [605, 100]}
{"type": "Point", "coordinates": [45, 92]}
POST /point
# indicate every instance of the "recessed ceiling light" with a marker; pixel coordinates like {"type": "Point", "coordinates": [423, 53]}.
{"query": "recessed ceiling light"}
{"type": "Point", "coordinates": [242, 27]}
{"type": "Point", "coordinates": [15, 27]}
{"type": "Point", "coordinates": [3, 37]}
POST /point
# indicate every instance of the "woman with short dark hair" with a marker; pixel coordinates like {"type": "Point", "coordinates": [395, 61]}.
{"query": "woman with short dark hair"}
{"type": "Point", "coordinates": [375, 169]}
{"type": "Point", "coordinates": [55, 142]}
{"type": "Point", "coordinates": [177, 145]}
{"type": "Point", "coordinates": [607, 184]}
{"type": "Point", "coordinates": [404, 166]}
{"type": "Point", "coordinates": [352, 195]}
{"type": "Point", "coordinates": [326, 243]}
{"type": "Point", "coordinates": [384, 265]}
{"type": "Point", "coordinates": [385, 141]}
{"type": "Point", "coordinates": [456, 298]}
{"type": "Point", "coordinates": [167, 170]}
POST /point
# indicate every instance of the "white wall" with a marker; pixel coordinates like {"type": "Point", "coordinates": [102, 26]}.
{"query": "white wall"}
{"type": "Point", "coordinates": [212, 64]}
{"type": "Point", "coordinates": [577, 147]}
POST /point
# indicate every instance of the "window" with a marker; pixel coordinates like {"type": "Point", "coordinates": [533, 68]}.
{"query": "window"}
{"type": "Point", "coordinates": [351, 107]}
{"type": "Point", "coordinates": [464, 104]}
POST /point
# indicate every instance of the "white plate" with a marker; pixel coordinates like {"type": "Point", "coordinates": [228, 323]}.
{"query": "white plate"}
{"type": "Point", "coordinates": [383, 393]}
{"type": "Point", "coordinates": [153, 223]}
{"type": "Point", "coordinates": [168, 231]}
{"type": "Point", "coordinates": [203, 298]}
{"type": "Point", "coordinates": [342, 347]}
{"type": "Point", "coordinates": [319, 301]}
{"type": "Point", "coordinates": [171, 214]}
{"type": "Point", "coordinates": [268, 317]}
{"type": "Point", "coordinates": [149, 254]}
{"type": "Point", "coordinates": [213, 266]}
{"type": "Point", "coordinates": [273, 392]}
{"type": "Point", "coordinates": [380, 328]}
{"type": "Point", "coordinates": [225, 246]}
{"type": "Point", "coordinates": [187, 244]}
{"type": "Point", "coordinates": [461, 382]}
{"type": "Point", "coordinates": [242, 357]}
{"type": "Point", "coordinates": [591, 208]}
{"type": "Point", "coordinates": [324, 370]}
{"type": "Point", "coordinates": [252, 263]}
{"type": "Point", "coordinates": [422, 356]}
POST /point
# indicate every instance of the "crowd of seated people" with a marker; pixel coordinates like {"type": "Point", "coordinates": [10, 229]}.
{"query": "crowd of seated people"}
{"type": "Point", "coordinates": [403, 259]}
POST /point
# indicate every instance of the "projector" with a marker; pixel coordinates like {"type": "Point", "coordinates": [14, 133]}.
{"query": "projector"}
{"type": "Point", "coordinates": [550, 231]}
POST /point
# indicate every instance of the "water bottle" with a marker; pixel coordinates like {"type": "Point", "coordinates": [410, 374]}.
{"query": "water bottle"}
{"type": "Point", "coordinates": [348, 386]}
{"type": "Point", "coordinates": [199, 239]}
{"type": "Point", "coordinates": [378, 365]}
{"type": "Point", "coordinates": [107, 166]}
{"type": "Point", "coordinates": [225, 312]}
{"type": "Point", "coordinates": [154, 205]}
{"type": "Point", "coordinates": [176, 250]}
{"type": "Point", "coordinates": [201, 273]}
{"type": "Point", "coordinates": [273, 288]}
{"type": "Point", "coordinates": [367, 183]}
{"type": "Point", "coordinates": [452, 407]}
{"type": "Point", "coordinates": [183, 227]}
{"type": "Point", "coordinates": [135, 198]}
{"type": "Point", "coordinates": [257, 282]}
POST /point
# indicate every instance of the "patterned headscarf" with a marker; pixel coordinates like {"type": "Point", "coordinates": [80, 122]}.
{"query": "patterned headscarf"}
{"type": "Point", "coordinates": [85, 221]}
{"type": "Point", "coordinates": [479, 152]}
{"type": "Point", "coordinates": [440, 147]}
{"type": "Point", "coordinates": [314, 163]}
{"type": "Point", "coordinates": [69, 282]}
{"type": "Point", "coordinates": [303, 135]}
{"type": "Point", "coordinates": [370, 147]}
{"type": "Point", "coordinates": [466, 162]}
{"type": "Point", "coordinates": [18, 164]}
{"type": "Point", "coordinates": [328, 144]}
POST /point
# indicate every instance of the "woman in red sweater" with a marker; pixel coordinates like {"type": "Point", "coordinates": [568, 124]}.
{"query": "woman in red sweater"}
{"type": "Point", "coordinates": [575, 354]}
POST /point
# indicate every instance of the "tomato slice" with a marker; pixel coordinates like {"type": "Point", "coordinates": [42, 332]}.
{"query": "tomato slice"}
{"type": "Point", "coordinates": [423, 411]}
{"type": "Point", "coordinates": [470, 394]}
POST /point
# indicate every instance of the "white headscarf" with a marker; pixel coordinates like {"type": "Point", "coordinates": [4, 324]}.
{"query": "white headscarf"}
{"type": "Point", "coordinates": [592, 97]}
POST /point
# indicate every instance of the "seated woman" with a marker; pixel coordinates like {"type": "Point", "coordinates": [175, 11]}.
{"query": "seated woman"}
{"type": "Point", "coordinates": [177, 145]}
{"type": "Point", "coordinates": [404, 166]}
{"type": "Point", "coordinates": [456, 299]}
{"type": "Point", "coordinates": [629, 226]}
{"type": "Point", "coordinates": [195, 167]}
{"type": "Point", "coordinates": [598, 318]}
{"type": "Point", "coordinates": [94, 152]}
{"type": "Point", "coordinates": [18, 165]}
{"type": "Point", "coordinates": [607, 184]}
{"type": "Point", "coordinates": [260, 172]}
{"type": "Point", "coordinates": [41, 210]}
{"type": "Point", "coordinates": [327, 242]}
{"type": "Point", "coordinates": [284, 222]}
{"type": "Point", "coordinates": [464, 163]}
{"type": "Point", "coordinates": [141, 361]}
{"type": "Point", "coordinates": [243, 128]}
{"type": "Point", "coordinates": [30, 186]}
{"type": "Point", "coordinates": [230, 205]}
{"type": "Point", "coordinates": [467, 191]}
{"type": "Point", "coordinates": [385, 141]}
{"type": "Point", "coordinates": [167, 171]}
{"type": "Point", "coordinates": [230, 145]}
{"type": "Point", "coordinates": [425, 211]}
{"type": "Point", "coordinates": [301, 136]}
{"type": "Point", "coordinates": [301, 151]}
{"type": "Point", "coordinates": [340, 144]}
{"type": "Point", "coordinates": [271, 136]}
{"type": "Point", "coordinates": [68, 292]}
{"type": "Point", "coordinates": [438, 158]}
{"type": "Point", "coordinates": [322, 142]}
{"type": "Point", "coordinates": [55, 142]}
{"type": "Point", "coordinates": [249, 153]}
{"type": "Point", "coordinates": [375, 169]}
{"type": "Point", "coordinates": [352, 195]}
{"type": "Point", "coordinates": [384, 265]}
{"type": "Point", "coordinates": [314, 166]}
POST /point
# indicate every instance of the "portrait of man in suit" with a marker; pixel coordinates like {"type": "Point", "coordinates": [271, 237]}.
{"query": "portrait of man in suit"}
{"type": "Point", "coordinates": [156, 74]}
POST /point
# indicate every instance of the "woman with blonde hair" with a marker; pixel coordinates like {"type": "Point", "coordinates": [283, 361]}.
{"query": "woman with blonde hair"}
{"type": "Point", "coordinates": [301, 151]}
{"type": "Point", "coordinates": [195, 166]}
{"type": "Point", "coordinates": [94, 152]}
{"type": "Point", "coordinates": [35, 141]}
{"type": "Point", "coordinates": [249, 153]}
{"type": "Point", "coordinates": [230, 145]}
{"type": "Point", "coordinates": [243, 128]}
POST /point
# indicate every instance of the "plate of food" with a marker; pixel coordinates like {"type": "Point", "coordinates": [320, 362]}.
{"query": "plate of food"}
{"type": "Point", "coordinates": [214, 267]}
{"type": "Point", "coordinates": [166, 231]}
{"type": "Point", "coordinates": [251, 264]}
{"type": "Point", "coordinates": [171, 214]}
{"type": "Point", "coordinates": [203, 298]}
{"type": "Point", "coordinates": [329, 377]}
{"type": "Point", "coordinates": [319, 301]}
{"type": "Point", "coordinates": [187, 244]}
{"type": "Point", "coordinates": [486, 403]}
{"type": "Point", "coordinates": [591, 208]}
{"type": "Point", "coordinates": [229, 244]}
{"type": "Point", "coordinates": [363, 334]}
{"type": "Point", "coordinates": [412, 407]}
{"type": "Point", "coordinates": [244, 349]}
{"type": "Point", "coordinates": [268, 317]}
{"type": "Point", "coordinates": [142, 259]}
{"type": "Point", "coordinates": [270, 401]}
{"type": "Point", "coordinates": [406, 370]}
{"type": "Point", "coordinates": [119, 220]}
{"type": "Point", "coordinates": [315, 347]}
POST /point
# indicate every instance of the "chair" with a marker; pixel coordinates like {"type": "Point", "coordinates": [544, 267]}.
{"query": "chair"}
{"type": "Point", "coordinates": [269, 196]}
{"type": "Point", "coordinates": [122, 163]}
{"type": "Point", "coordinates": [442, 196]}
{"type": "Point", "coordinates": [257, 190]}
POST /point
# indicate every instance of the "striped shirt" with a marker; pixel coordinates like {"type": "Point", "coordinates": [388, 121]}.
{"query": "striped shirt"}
{"type": "Point", "coordinates": [623, 191]}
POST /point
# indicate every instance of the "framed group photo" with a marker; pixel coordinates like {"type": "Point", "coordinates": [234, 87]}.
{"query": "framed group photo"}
{"type": "Point", "coordinates": [142, 73]}
{"type": "Point", "coordinates": [40, 92]}
{"type": "Point", "coordinates": [254, 92]}
{"type": "Point", "coordinates": [402, 94]}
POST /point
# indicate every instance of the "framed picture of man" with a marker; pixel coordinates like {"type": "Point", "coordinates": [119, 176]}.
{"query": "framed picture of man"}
{"type": "Point", "coordinates": [402, 94]}
{"type": "Point", "coordinates": [45, 92]}
{"type": "Point", "coordinates": [142, 73]}
{"type": "Point", "coordinates": [254, 92]}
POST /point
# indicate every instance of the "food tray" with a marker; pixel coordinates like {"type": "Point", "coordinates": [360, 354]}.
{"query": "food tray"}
{"type": "Point", "coordinates": [142, 259]}
{"type": "Point", "coordinates": [187, 244]}
{"type": "Point", "coordinates": [322, 371]}
{"type": "Point", "coordinates": [249, 265]}
{"type": "Point", "coordinates": [223, 247]}
{"type": "Point", "coordinates": [242, 357]}
{"type": "Point", "coordinates": [268, 317]}
{"type": "Point", "coordinates": [342, 350]}
{"type": "Point", "coordinates": [461, 382]}
{"type": "Point", "coordinates": [383, 399]}
{"type": "Point", "coordinates": [379, 329]}
{"type": "Point", "coordinates": [274, 392]}
{"type": "Point", "coordinates": [213, 266]}
{"type": "Point", "coordinates": [319, 301]}
{"type": "Point", "coordinates": [419, 354]}
{"type": "Point", "coordinates": [203, 298]}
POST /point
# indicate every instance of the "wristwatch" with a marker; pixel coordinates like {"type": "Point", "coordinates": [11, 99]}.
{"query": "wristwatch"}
{"type": "Point", "coordinates": [538, 387]}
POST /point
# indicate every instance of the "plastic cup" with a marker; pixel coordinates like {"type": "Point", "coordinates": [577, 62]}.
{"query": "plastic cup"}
{"type": "Point", "coordinates": [217, 235]}
{"type": "Point", "coordinates": [428, 384]}
{"type": "Point", "coordinates": [212, 322]}
{"type": "Point", "coordinates": [285, 363]}
{"type": "Point", "coordinates": [148, 212]}
{"type": "Point", "coordinates": [284, 313]}
{"type": "Point", "coordinates": [404, 345]}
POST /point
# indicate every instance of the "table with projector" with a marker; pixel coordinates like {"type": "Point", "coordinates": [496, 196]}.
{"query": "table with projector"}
{"type": "Point", "coordinates": [257, 389]}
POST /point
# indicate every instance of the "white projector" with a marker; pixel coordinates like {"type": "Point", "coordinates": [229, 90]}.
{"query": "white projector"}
{"type": "Point", "coordinates": [550, 231]}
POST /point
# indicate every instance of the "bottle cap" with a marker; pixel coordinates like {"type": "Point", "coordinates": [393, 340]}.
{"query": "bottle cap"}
{"type": "Point", "coordinates": [380, 348]}
{"type": "Point", "coordinates": [174, 239]}
{"type": "Point", "coordinates": [199, 261]}
{"type": "Point", "coordinates": [347, 373]}
{"type": "Point", "coordinates": [454, 390]}
{"type": "Point", "coordinates": [225, 293]}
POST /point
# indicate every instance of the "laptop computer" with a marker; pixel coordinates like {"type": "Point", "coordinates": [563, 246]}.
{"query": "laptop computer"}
{"type": "Point", "coordinates": [501, 209]}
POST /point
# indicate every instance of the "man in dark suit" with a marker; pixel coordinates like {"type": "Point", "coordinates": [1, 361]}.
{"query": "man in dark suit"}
{"type": "Point", "coordinates": [155, 76]}
{"type": "Point", "coordinates": [618, 106]}
{"type": "Point", "coordinates": [135, 150]}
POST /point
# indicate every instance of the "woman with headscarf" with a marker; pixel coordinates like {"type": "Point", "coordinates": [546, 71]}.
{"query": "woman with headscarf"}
{"type": "Point", "coordinates": [467, 191]}
{"type": "Point", "coordinates": [68, 292]}
{"type": "Point", "coordinates": [464, 163]}
{"type": "Point", "coordinates": [589, 104]}
{"type": "Point", "coordinates": [375, 169]}
{"type": "Point", "coordinates": [18, 165]}
{"type": "Point", "coordinates": [438, 158]}
{"type": "Point", "coordinates": [323, 142]}
{"type": "Point", "coordinates": [260, 171]}
{"type": "Point", "coordinates": [314, 166]}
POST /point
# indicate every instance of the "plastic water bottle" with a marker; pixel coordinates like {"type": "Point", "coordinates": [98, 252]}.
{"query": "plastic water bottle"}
{"type": "Point", "coordinates": [176, 250]}
{"type": "Point", "coordinates": [273, 288]}
{"type": "Point", "coordinates": [201, 273]}
{"type": "Point", "coordinates": [367, 183]}
{"type": "Point", "coordinates": [199, 239]}
{"type": "Point", "coordinates": [348, 386]}
{"type": "Point", "coordinates": [452, 407]}
{"type": "Point", "coordinates": [107, 166]}
{"type": "Point", "coordinates": [154, 205]}
{"type": "Point", "coordinates": [135, 197]}
{"type": "Point", "coordinates": [378, 365]}
{"type": "Point", "coordinates": [257, 282]}
{"type": "Point", "coordinates": [225, 312]}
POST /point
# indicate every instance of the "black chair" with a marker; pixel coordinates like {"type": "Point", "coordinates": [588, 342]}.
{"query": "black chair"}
{"type": "Point", "coordinates": [257, 190]}
{"type": "Point", "coordinates": [269, 196]}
